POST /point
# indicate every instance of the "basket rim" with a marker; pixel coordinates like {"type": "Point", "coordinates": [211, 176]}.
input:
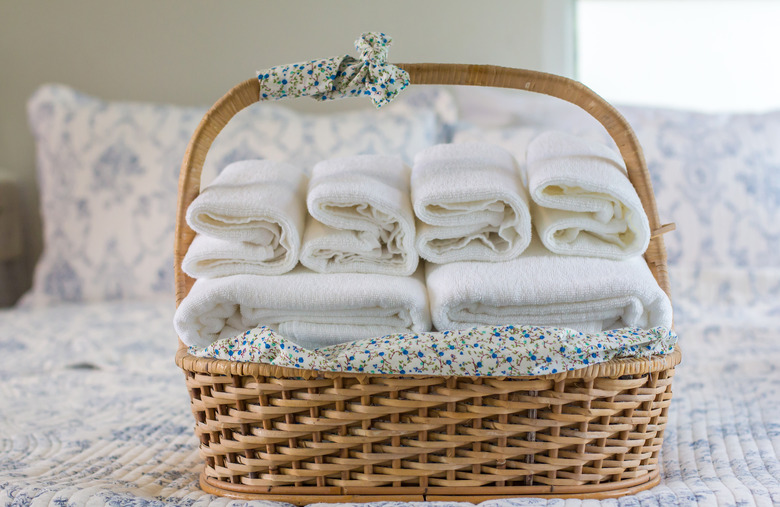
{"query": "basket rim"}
{"type": "Point", "coordinates": [362, 495]}
{"type": "Point", "coordinates": [613, 368]}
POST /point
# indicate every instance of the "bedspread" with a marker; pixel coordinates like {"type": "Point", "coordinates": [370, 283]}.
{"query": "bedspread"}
{"type": "Point", "coordinates": [93, 410]}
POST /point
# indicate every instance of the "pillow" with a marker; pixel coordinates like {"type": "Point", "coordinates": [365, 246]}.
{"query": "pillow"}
{"type": "Point", "coordinates": [497, 107]}
{"type": "Point", "coordinates": [717, 176]}
{"type": "Point", "coordinates": [108, 174]}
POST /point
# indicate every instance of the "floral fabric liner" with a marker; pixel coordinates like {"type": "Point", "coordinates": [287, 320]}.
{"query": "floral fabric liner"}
{"type": "Point", "coordinates": [339, 77]}
{"type": "Point", "coordinates": [481, 351]}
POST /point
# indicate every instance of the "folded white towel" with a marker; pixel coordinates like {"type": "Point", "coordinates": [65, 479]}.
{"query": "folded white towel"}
{"type": "Point", "coordinates": [472, 202]}
{"type": "Point", "coordinates": [312, 309]}
{"type": "Point", "coordinates": [584, 201]}
{"type": "Point", "coordinates": [255, 201]}
{"type": "Point", "coordinates": [366, 222]}
{"type": "Point", "coordinates": [540, 288]}
{"type": "Point", "coordinates": [211, 258]}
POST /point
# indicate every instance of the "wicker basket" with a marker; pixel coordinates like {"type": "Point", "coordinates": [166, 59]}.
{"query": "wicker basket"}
{"type": "Point", "coordinates": [304, 436]}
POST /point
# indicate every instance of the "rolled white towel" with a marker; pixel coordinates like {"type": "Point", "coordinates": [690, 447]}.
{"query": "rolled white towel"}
{"type": "Point", "coordinates": [312, 309]}
{"type": "Point", "coordinates": [584, 203]}
{"type": "Point", "coordinates": [540, 288]}
{"type": "Point", "coordinates": [362, 217]}
{"type": "Point", "coordinates": [211, 258]}
{"type": "Point", "coordinates": [254, 201]}
{"type": "Point", "coordinates": [472, 202]}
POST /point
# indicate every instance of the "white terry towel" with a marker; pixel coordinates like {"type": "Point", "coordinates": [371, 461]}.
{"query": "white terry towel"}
{"type": "Point", "coordinates": [254, 201]}
{"type": "Point", "coordinates": [312, 309]}
{"type": "Point", "coordinates": [211, 258]}
{"type": "Point", "coordinates": [584, 201]}
{"type": "Point", "coordinates": [472, 202]}
{"type": "Point", "coordinates": [362, 218]}
{"type": "Point", "coordinates": [540, 288]}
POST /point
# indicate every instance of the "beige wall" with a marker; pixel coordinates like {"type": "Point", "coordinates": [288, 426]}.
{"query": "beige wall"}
{"type": "Point", "coordinates": [190, 51]}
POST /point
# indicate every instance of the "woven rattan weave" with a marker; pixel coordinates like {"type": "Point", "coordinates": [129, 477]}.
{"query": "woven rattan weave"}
{"type": "Point", "coordinates": [304, 436]}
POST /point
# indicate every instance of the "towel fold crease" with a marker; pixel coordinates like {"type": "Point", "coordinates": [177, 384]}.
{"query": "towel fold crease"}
{"type": "Point", "coordinates": [544, 289]}
{"type": "Point", "coordinates": [472, 204]}
{"type": "Point", "coordinates": [311, 308]}
{"type": "Point", "coordinates": [361, 217]}
{"type": "Point", "coordinates": [249, 220]}
{"type": "Point", "coordinates": [583, 201]}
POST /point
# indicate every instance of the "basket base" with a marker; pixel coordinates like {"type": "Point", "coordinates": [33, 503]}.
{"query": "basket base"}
{"type": "Point", "coordinates": [596, 491]}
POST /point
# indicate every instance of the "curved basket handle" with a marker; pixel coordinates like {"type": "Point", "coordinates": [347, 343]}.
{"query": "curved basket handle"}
{"type": "Point", "coordinates": [248, 92]}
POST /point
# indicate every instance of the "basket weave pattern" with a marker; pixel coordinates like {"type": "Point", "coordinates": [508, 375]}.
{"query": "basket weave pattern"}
{"type": "Point", "coordinates": [434, 432]}
{"type": "Point", "coordinates": [305, 436]}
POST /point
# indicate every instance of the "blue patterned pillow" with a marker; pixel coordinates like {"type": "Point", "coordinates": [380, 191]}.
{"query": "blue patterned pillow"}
{"type": "Point", "coordinates": [718, 177]}
{"type": "Point", "coordinates": [108, 172]}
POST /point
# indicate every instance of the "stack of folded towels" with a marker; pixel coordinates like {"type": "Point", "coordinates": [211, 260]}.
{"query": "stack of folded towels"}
{"type": "Point", "coordinates": [584, 271]}
{"type": "Point", "coordinates": [360, 273]}
{"type": "Point", "coordinates": [464, 208]}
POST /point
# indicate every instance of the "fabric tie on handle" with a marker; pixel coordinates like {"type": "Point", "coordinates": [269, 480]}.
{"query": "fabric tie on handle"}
{"type": "Point", "coordinates": [339, 77]}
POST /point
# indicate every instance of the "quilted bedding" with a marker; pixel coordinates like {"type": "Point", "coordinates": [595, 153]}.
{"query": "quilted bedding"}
{"type": "Point", "coordinates": [93, 410]}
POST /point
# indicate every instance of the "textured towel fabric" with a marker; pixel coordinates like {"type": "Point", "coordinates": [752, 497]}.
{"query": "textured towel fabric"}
{"type": "Point", "coordinates": [362, 218]}
{"type": "Point", "coordinates": [211, 258]}
{"type": "Point", "coordinates": [584, 204]}
{"type": "Point", "coordinates": [472, 204]}
{"type": "Point", "coordinates": [310, 308]}
{"type": "Point", "coordinates": [543, 289]}
{"type": "Point", "coordinates": [254, 201]}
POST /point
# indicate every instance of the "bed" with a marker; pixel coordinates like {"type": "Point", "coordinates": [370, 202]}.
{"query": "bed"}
{"type": "Point", "coordinates": [94, 411]}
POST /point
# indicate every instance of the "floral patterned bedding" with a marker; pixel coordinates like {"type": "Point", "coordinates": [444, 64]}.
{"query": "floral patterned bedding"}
{"type": "Point", "coordinates": [93, 410]}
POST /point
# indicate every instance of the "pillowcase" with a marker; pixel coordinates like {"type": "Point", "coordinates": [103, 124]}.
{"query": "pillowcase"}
{"type": "Point", "coordinates": [108, 175]}
{"type": "Point", "coordinates": [717, 176]}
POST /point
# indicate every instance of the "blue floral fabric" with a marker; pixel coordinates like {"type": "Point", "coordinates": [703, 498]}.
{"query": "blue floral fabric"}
{"type": "Point", "coordinates": [481, 351]}
{"type": "Point", "coordinates": [339, 77]}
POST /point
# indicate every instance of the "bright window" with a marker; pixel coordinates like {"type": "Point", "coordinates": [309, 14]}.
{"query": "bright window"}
{"type": "Point", "coordinates": [709, 55]}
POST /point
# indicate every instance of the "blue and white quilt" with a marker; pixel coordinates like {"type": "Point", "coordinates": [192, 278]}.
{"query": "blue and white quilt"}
{"type": "Point", "coordinates": [94, 411]}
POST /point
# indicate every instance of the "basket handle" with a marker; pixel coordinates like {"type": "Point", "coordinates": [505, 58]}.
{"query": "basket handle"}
{"type": "Point", "coordinates": [248, 92]}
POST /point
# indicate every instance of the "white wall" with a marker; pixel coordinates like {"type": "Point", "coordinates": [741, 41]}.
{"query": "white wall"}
{"type": "Point", "coordinates": [190, 52]}
{"type": "Point", "coordinates": [707, 55]}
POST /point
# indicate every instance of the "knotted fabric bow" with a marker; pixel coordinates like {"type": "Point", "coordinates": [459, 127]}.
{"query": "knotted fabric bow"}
{"type": "Point", "coordinates": [339, 77]}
